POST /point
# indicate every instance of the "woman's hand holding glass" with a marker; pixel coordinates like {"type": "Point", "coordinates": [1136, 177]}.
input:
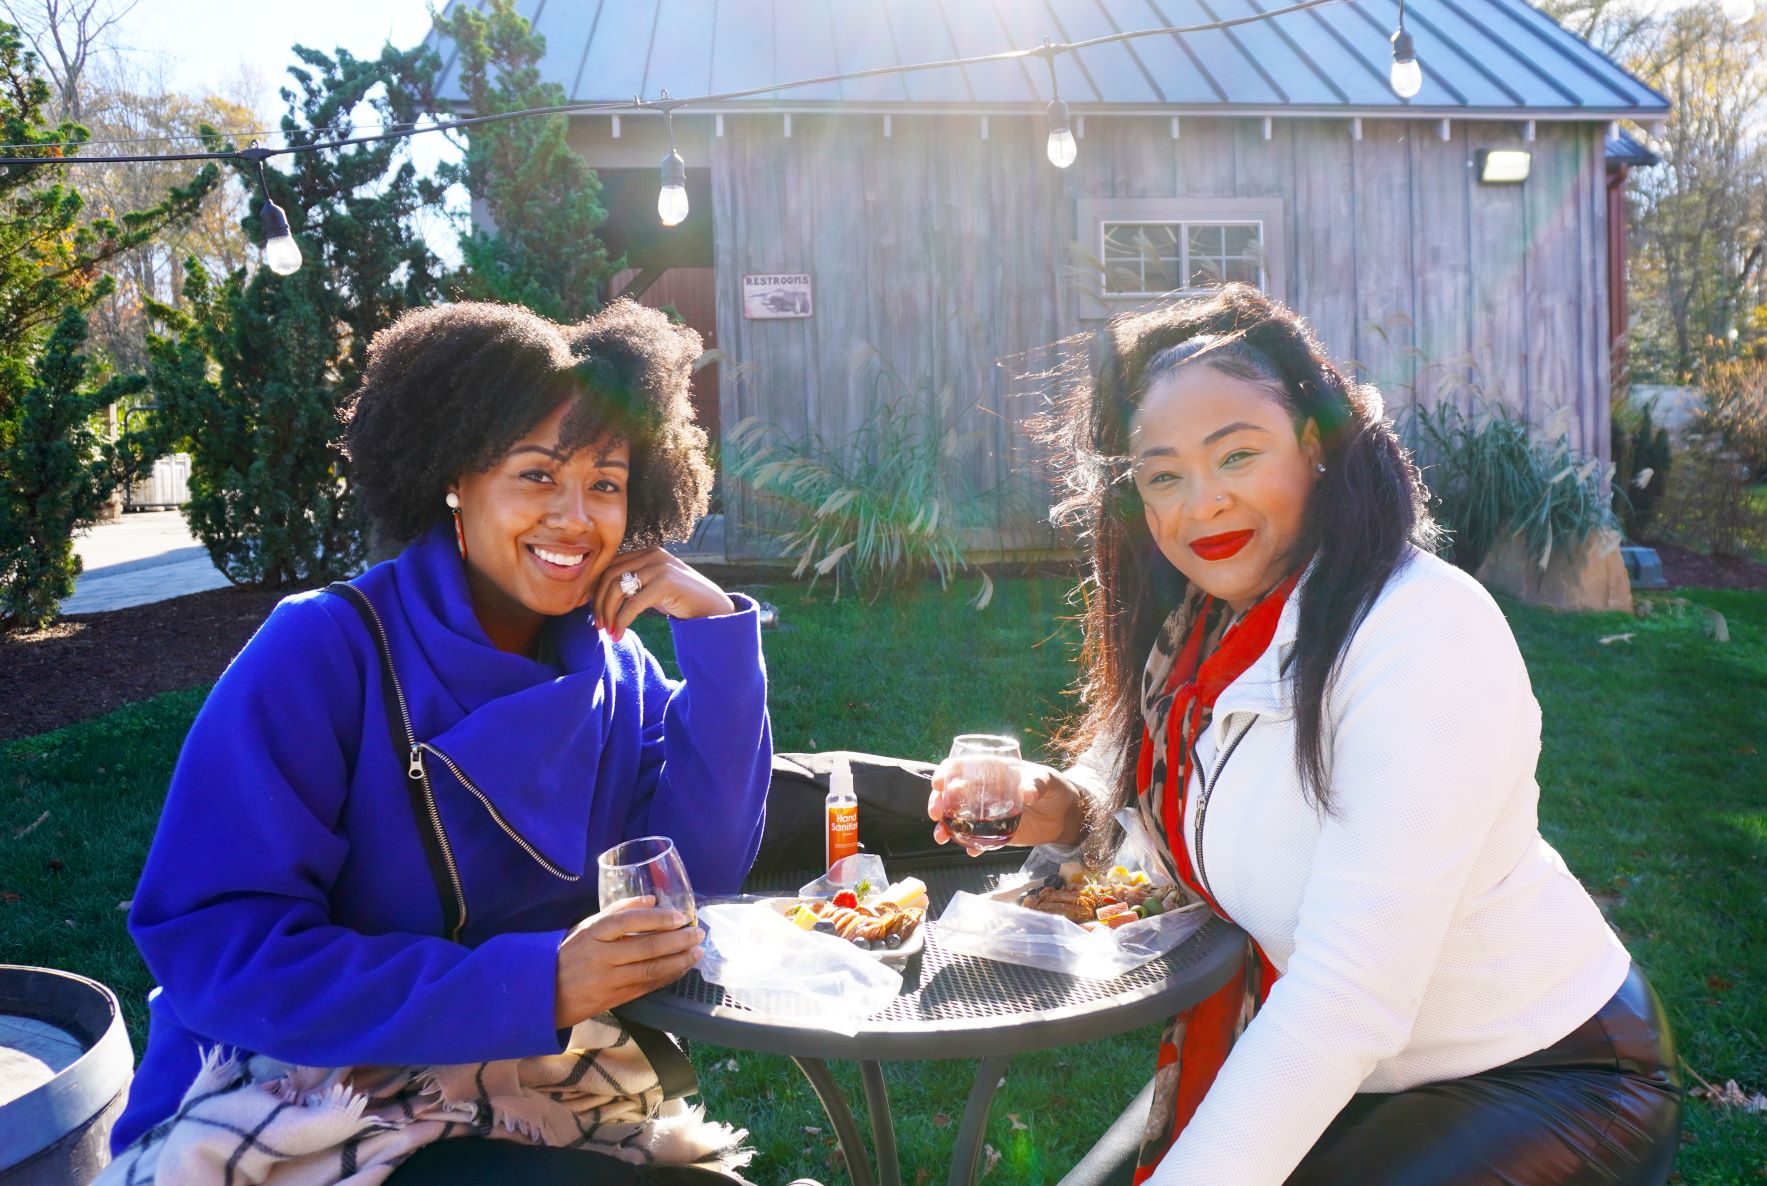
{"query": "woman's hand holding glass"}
{"type": "Point", "coordinates": [644, 937]}
{"type": "Point", "coordinates": [629, 948]}
{"type": "Point", "coordinates": [1053, 812]}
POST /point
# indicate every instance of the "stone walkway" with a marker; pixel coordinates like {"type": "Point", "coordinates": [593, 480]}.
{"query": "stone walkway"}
{"type": "Point", "coordinates": [141, 557]}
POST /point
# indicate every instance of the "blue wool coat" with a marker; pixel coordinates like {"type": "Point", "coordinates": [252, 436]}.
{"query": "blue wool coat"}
{"type": "Point", "coordinates": [286, 906]}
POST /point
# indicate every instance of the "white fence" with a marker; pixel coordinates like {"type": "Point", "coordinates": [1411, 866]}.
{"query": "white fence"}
{"type": "Point", "coordinates": [166, 488]}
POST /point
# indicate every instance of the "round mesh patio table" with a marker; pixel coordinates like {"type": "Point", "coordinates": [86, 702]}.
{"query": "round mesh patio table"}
{"type": "Point", "coordinates": [951, 1006]}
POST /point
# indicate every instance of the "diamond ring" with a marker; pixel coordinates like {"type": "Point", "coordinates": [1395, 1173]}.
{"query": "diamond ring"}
{"type": "Point", "coordinates": [630, 584]}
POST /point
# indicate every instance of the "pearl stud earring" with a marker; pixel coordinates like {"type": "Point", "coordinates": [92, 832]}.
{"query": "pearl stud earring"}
{"type": "Point", "coordinates": [453, 501]}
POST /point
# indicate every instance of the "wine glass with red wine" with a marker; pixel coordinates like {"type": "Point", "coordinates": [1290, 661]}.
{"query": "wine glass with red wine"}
{"type": "Point", "coordinates": [983, 799]}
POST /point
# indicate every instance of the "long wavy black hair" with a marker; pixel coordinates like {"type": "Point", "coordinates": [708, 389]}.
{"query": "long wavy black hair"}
{"type": "Point", "coordinates": [1363, 515]}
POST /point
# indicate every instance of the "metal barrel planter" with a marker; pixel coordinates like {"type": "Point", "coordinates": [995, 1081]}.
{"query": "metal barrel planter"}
{"type": "Point", "coordinates": [65, 1063]}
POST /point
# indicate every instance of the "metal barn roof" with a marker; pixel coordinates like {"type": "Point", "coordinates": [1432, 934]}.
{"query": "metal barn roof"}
{"type": "Point", "coordinates": [1623, 148]}
{"type": "Point", "coordinates": [1491, 58]}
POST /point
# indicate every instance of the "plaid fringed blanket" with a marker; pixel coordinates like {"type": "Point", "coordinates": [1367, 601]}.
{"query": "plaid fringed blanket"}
{"type": "Point", "coordinates": [248, 1119]}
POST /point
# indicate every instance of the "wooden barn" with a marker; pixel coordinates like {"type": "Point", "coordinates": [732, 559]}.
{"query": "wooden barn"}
{"type": "Point", "coordinates": [915, 219]}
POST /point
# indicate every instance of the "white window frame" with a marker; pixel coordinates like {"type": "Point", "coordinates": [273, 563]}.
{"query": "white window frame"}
{"type": "Point", "coordinates": [1268, 214]}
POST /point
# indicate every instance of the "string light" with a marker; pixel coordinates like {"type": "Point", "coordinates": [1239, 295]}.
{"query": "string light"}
{"type": "Point", "coordinates": [1738, 12]}
{"type": "Point", "coordinates": [282, 254]}
{"type": "Point", "coordinates": [1406, 76]}
{"type": "Point", "coordinates": [1061, 147]}
{"type": "Point", "coordinates": [671, 199]}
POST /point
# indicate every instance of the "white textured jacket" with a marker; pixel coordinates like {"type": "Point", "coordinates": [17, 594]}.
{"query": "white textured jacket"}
{"type": "Point", "coordinates": [1423, 928]}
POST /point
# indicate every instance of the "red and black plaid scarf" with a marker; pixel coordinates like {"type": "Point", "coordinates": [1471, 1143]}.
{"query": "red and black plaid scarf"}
{"type": "Point", "coordinates": [1198, 654]}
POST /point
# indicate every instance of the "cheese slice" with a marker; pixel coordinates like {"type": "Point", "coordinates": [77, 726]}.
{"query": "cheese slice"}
{"type": "Point", "coordinates": [907, 894]}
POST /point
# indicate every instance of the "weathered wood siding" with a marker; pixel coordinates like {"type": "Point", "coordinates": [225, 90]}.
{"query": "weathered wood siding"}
{"type": "Point", "coordinates": [949, 255]}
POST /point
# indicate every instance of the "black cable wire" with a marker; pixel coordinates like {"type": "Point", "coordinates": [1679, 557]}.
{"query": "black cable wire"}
{"type": "Point", "coordinates": [1047, 50]}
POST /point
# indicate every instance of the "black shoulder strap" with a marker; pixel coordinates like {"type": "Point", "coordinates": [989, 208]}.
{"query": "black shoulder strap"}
{"type": "Point", "coordinates": [674, 1072]}
{"type": "Point", "coordinates": [404, 742]}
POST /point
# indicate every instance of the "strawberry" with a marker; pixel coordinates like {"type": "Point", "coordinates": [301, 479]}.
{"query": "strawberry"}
{"type": "Point", "coordinates": [847, 898]}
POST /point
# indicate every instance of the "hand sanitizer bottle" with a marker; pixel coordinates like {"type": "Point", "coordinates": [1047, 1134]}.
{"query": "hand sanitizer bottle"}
{"type": "Point", "coordinates": [842, 812]}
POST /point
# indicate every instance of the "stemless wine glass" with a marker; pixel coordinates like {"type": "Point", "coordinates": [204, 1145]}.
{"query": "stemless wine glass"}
{"type": "Point", "coordinates": [647, 867]}
{"type": "Point", "coordinates": [983, 800]}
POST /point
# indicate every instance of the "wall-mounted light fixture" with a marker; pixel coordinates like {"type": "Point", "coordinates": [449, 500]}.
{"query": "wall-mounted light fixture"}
{"type": "Point", "coordinates": [1502, 166]}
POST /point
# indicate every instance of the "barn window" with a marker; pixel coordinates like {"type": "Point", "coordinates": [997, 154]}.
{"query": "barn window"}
{"type": "Point", "coordinates": [1143, 248]}
{"type": "Point", "coordinates": [1153, 258]}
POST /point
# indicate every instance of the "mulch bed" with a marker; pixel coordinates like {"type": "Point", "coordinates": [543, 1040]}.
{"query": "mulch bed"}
{"type": "Point", "coordinates": [85, 665]}
{"type": "Point", "coordinates": [1690, 570]}
{"type": "Point", "coordinates": [88, 664]}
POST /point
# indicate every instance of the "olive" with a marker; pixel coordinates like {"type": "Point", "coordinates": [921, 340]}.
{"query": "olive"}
{"type": "Point", "coordinates": [892, 941]}
{"type": "Point", "coordinates": [1054, 881]}
{"type": "Point", "coordinates": [861, 942]}
{"type": "Point", "coordinates": [824, 927]}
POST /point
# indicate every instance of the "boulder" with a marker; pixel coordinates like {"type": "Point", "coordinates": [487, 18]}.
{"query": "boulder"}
{"type": "Point", "coordinates": [1592, 577]}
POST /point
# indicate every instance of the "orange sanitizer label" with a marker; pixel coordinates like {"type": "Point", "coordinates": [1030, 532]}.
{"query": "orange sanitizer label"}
{"type": "Point", "coordinates": [843, 832]}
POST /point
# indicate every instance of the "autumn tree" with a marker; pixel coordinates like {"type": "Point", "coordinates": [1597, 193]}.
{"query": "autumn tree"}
{"type": "Point", "coordinates": [131, 105]}
{"type": "Point", "coordinates": [1699, 274]}
{"type": "Point", "coordinates": [1698, 280]}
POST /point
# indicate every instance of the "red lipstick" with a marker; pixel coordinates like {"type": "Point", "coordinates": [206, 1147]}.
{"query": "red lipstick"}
{"type": "Point", "coordinates": [1221, 547]}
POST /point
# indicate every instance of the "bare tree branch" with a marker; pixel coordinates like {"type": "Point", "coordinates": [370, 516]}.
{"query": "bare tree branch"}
{"type": "Point", "coordinates": [74, 30]}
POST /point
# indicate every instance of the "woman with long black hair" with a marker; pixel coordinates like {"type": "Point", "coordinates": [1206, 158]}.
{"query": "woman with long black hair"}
{"type": "Point", "coordinates": [1334, 734]}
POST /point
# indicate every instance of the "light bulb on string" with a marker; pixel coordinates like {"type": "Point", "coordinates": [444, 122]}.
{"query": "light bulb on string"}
{"type": "Point", "coordinates": [1738, 12]}
{"type": "Point", "coordinates": [1406, 76]}
{"type": "Point", "coordinates": [1061, 146]}
{"type": "Point", "coordinates": [671, 199]}
{"type": "Point", "coordinates": [282, 254]}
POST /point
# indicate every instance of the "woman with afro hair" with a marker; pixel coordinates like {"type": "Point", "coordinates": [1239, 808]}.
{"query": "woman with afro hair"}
{"type": "Point", "coordinates": [356, 868]}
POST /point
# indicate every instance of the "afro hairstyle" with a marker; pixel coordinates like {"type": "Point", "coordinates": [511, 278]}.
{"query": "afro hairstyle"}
{"type": "Point", "coordinates": [449, 389]}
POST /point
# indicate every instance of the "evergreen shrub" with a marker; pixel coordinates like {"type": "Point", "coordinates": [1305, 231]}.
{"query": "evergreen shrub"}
{"type": "Point", "coordinates": [1715, 506]}
{"type": "Point", "coordinates": [1642, 457]}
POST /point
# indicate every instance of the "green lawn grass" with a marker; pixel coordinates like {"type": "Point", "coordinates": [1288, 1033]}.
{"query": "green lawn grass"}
{"type": "Point", "coordinates": [1654, 787]}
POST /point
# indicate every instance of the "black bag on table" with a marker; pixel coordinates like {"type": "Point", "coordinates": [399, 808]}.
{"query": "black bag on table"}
{"type": "Point", "coordinates": [893, 823]}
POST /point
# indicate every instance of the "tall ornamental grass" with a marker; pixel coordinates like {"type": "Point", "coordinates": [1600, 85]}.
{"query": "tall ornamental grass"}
{"type": "Point", "coordinates": [1491, 479]}
{"type": "Point", "coordinates": [887, 503]}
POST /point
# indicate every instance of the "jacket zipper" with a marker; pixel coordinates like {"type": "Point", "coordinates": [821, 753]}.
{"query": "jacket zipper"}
{"type": "Point", "coordinates": [1202, 803]}
{"type": "Point", "coordinates": [490, 808]}
{"type": "Point", "coordinates": [416, 771]}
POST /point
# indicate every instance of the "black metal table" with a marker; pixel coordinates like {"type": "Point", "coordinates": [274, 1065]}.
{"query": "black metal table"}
{"type": "Point", "coordinates": [951, 1006]}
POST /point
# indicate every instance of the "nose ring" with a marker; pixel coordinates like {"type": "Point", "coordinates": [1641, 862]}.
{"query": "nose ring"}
{"type": "Point", "coordinates": [1220, 498]}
